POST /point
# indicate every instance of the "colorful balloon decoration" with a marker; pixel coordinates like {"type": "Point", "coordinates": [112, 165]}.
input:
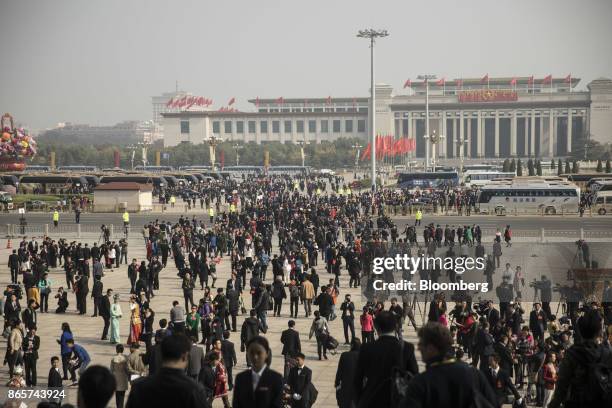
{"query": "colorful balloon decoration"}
{"type": "Point", "coordinates": [16, 145]}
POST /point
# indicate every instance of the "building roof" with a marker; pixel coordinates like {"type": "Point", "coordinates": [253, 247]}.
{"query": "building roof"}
{"type": "Point", "coordinates": [124, 186]}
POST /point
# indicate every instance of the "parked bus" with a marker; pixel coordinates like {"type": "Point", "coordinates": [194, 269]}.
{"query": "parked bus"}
{"type": "Point", "coordinates": [529, 197]}
{"type": "Point", "coordinates": [36, 168]}
{"type": "Point", "coordinates": [602, 204]}
{"type": "Point", "coordinates": [240, 170]}
{"type": "Point", "coordinates": [77, 168]}
{"type": "Point", "coordinates": [582, 179]}
{"type": "Point", "coordinates": [479, 178]}
{"type": "Point", "coordinates": [154, 169]}
{"type": "Point", "coordinates": [425, 180]}
{"type": "Point", "coordinates": [290, 170]}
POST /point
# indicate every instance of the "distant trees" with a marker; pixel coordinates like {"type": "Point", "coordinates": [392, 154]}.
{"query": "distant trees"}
{"type": "Point", "coordinates": [519, 168]}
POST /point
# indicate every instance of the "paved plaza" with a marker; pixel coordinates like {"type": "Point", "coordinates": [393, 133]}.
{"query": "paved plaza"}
{"type": "Point", "coordinates": [87, 330]}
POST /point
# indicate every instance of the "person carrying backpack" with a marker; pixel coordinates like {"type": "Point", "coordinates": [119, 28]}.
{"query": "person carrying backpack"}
{"type": "Point", "coordinates": [585, 374]}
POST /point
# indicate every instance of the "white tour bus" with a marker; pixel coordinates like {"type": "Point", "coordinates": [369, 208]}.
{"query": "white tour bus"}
{"type": "Point", "coordinates": [533, 197]}
{"type": "Point", "coordinates": [479, 178]}
{"type": "Point", "coordinates": [602, 204]}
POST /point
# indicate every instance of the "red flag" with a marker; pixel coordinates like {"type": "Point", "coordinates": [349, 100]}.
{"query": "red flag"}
{"type": "Point", "coordinates": [329, 100]}
{"type": "Point", "coordinates": [568, 79]}
{"type": "Point", "coordinates": [170, 102]}
{"type": "Point", "coordinates": [459, 82]}
{"type": "Point", "coordinates": [547, 79]}
{"type": "Point", "coordinates": [366, 153]}
{"type": "Point", "coordinates": [231, 101]}
{"type": "Point", "coordinates": [408, 84]}
{"type": "Point", "coordinates": [257, 102]}
{"type": "Point", "coordinates": [222, 158]}
{"type": "Point", "coordinates": [389, 146]}
{"type": "Point", "coordinates": [441, 82]}
{"type": "Point", "coordinates": [485, 79]}
{"type": "Point", "coordinates": [513, 82]}
{"type": "Point", "coordinates": [280, 100]}
{"type": "Point", "coordinates": [380, 146]}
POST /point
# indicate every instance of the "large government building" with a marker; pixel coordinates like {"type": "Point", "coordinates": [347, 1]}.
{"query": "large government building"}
{"type": "Point", "coordinates": [492, 117]}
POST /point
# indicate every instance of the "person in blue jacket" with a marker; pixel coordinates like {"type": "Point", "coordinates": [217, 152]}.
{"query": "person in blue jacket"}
{"type": "Point", "coordinates": [65, 351]}
{"type": "Point", "coordinates": [79, 361]}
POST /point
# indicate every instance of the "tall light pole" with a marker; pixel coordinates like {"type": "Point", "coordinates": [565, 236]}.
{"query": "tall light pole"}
{"type": "Point", "coordinates": [426, 78]}
{"type": "Point", "coordinates": [302, 144]}
{"type": "Point", "coordinates": [213, 141]}
{"type": "Point", "coordinates": [461, 143]}
{"type": "Point", "coordinates": [434, 139]}
{"type": "Point", "coordinates": [357, 147]}
{"type": "Point", "coordinates": [372, 34]}
{"type": "Point", "coordinates": [132, 148]}
{"type": "Point", "coordinates": [237, 148]}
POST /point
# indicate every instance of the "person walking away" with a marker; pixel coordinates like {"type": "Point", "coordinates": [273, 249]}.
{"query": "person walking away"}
{"type": "Point", "coordinates": [446, 382]}
{"type": "Point", "coordinates": [169, 386]}
{"type": "Point", "coordinates": [44, 287]}
{"type": "Point", "coordinates": [290, 339]}
{"type": "Point", "coordinates": [320, 330]}
{"type": "Point", "coordinates": [105, 312]}
{"type": "Point", "coordinates": [344, 375]}
{"type": "Point", "coordinates": [372, 381]}
{"type": "Point", "coordinates": [119, 369]}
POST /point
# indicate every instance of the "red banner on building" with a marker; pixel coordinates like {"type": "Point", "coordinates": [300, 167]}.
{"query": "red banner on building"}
{"type": "Point", "coordinates": [488, 95]}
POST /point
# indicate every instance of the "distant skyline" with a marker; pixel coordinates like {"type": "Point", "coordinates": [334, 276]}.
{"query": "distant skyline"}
{"type": "Point", "coordinates": [100, 62]}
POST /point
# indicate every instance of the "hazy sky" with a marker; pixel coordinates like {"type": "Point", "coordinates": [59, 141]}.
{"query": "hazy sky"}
{"type": "Point", "coordinates": [99, 62]}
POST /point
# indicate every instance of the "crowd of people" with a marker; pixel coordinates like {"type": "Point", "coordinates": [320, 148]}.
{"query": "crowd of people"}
{"type": "Point", "coordinates": [289, 240]}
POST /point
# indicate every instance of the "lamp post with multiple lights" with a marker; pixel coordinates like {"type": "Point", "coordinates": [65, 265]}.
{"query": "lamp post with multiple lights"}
{"type": "Point", "coordinates": [372, 35]}
{"type": "Point", "coordinates": [357, 148]}
{"type": "Point", "coordinates": [426, 78]}
{"type": "Point", "coordinates": [213, 141]}
{"type": "Point", "coordinates": [237, 147]}
{"type": "Point", "coordinates": [302, 144]}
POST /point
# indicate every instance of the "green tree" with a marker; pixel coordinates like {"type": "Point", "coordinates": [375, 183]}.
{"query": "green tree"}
{"type": "Point", "coordinates": [552, 164]}
{"type": "Point", "coordinates": [608, 168]}
{"type": "Point", "coordinates": [519, 168]}
{"type": "Point", "coordinates": [575, 167]}
{"type": "Point", "coordinates": [512, 166]}
{"type": "Point", "coordinates": [506, 165]}
{"type": "Point", "coordinates": [599, 166]}
{"type": "Point", "coordinates": [530, 169]}
{"type": "Point", "coordinates": [567, 167]}
{"type": "Point", "coordinates": [559, 168]}
{"type": "Point", "coordinates": [539, 168]}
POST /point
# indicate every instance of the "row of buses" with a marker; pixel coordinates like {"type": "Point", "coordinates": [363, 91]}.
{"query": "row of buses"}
{"type": "Point", "coordinates": [504, 193]}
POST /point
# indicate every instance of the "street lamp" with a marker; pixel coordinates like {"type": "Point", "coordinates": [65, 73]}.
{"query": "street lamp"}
{"type": "Point", "coordinates": [461, 143]}
{"type": "Point", "coordinates": [213, 141]}
{"type": "Point", "coordinates": [302, 144]}
{"type": "Point", "coordinates": [132, 148]}
{"type": "Point", "coordinates": [426, 78]}
{"type": "Point", "coordinates": [372, 34]}
{"type": "Point", "coordinates": [433, 139]}
{"type": "Point", "coordinates": [357, 147]}
{"type": "Point", "coordinates": [237, 148]}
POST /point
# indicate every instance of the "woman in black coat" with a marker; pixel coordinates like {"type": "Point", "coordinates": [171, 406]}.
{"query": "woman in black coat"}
{"type": "Point", "coordinates": [344, 375]}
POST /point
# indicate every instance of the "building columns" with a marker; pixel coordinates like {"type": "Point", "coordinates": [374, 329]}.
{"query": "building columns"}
{"type": "Point", "coordinates": [442, 142]}
{"type": "Point", "coordinates": [479, 136]}
{"type": "Point", "coordinates": [551, 134]}
{"type": "Point", "coordinates": [533, 129]}
{"type": "Point", "coordinates": [469, 137]}
{"type": "Point", "coordinates": [526, 142]}
{"type": "Point", "coordinates": [461, 134]}
{"type": "Point", "coordinates": [568, 148]}
{"type": "Point", "coordinates": [496, 139]}
{"type": "Point", "coordinates": [513, 132]}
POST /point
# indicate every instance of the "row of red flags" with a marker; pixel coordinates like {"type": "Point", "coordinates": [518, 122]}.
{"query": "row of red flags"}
{"type": "Point", "coordinates": [485, 80]}
{"type": "Point", "coordinates": [387, 146]}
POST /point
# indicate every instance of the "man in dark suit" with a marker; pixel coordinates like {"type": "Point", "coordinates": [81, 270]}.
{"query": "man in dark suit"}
{"type": "Point", "coordinates": [170, 386]}
{"type": "Point", "coordinates": [537, 321]}
{"type": "Point", "coordinates": [12, 308]}
{"type": "Point", "coordinates": [299, 382]}
{"type": "Point", "coordinates": [344, 376]}
{"type": "Point", "coordinates": [55, 377]}
{"type": "Point", "coordinates": [499, 380]}
{"type": "Point", "coordinates": [492, 314]}
{"type": "Point", "coordinates": [290, 339]}
{"type": "Point", "coordinates": [29, 316]}
{"type": "Point", "coordinates": [96, 294]}
{"type": "Point", "coordinates": [228, 352]}
{"type": "Point", "coordinates": [196, 360]}
{"type": "Point", "coordinates": [82, 291]}
{"type": "Point", "coordinates": [105, 312]}
{"type": "Point", "coordinates": [13, 264]}
{"type": "Point", "coordinates": [446, 382]}
{"type": "Point", "coordinates": [376, 362]}
{"type": "Point", "coordinates": [31, 344]}
{"type": "Point", "coordinates": [233, 301]}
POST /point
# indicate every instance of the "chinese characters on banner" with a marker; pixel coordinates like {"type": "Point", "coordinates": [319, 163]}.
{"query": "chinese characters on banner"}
{"type": "Point", "coordinates": [488, 95]}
